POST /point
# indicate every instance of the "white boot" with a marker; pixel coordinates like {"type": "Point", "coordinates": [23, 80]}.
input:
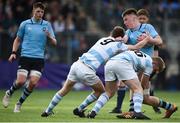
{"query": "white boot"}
{"type": "Point", "coordinates": [17, 107]}
{"type": "Point", "coordinates": [6, 99]}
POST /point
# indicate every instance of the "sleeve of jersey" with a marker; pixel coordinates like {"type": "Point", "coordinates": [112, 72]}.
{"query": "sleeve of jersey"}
{"type": "Point", "coordinates": [51, 30]}
{"type": "Point", "coordinates": [152, 30]}
{"type": "Point", "coordinates": [122, 47]}
{"type": "Point", "coordinates": [21, 30]}
{"type": "Point", "coordinates": [148, 69]}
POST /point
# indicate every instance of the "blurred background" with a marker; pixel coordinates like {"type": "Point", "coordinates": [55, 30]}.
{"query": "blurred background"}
{"type": "Point", "coordinates": [78, 24]}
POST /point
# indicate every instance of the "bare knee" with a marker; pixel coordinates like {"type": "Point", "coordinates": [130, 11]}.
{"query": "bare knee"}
{"type": "Point", "coordinates": [33, 82]}
{"type": "Point", "coordinates": [20, 81]}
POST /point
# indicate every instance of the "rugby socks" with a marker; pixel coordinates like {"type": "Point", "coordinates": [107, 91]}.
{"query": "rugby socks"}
{"type": "Point", "coordinates": [24, 95]}
{"type": "Point", "coordinates": [102, 100]}
{"type": "Point", "coordinates": [12, 89]}
{"type": "Point", "coordinates": [137, 99]}
{"type": "Point", "coordinates": [55, 100]}
{"type": "Point", "coordinates": [89, 99]}
{"type": "Point", "coordinates": [165, 105]}
{"type": "Point", "coordinates": [120, 97]}
{"type": "Point", "coordinates": [131, 105]}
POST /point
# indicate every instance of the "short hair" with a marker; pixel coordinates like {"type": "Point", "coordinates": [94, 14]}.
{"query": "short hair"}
{"type": "Point", "coordinates": [39, 5]}
{"type": "Point", "coordinates": [143, 12]}
{"type": "Point", "coordinates": [118, 31]}
{"type": "Point", "coordinates": [129, 11]}
{"type": "Point", "coordinates": [160, 62]}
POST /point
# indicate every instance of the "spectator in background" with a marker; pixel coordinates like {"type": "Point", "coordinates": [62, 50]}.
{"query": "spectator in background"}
{"type": "Point", "coordinates": [59, 25]}
{"type": "Point", "coordinates": [82, 22]}
{"type": "Point", "coordinates": [70, 7]}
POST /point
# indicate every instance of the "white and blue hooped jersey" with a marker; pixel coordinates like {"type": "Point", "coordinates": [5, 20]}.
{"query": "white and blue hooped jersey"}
{"type": "Point", "coordinates": [140, 60]}
{"type": "Point", "coordinates": [103, 50]}
{"type": "Point", "coordinates": [133, 34]}
{"type": "Point", "coordinates": [33, 37]}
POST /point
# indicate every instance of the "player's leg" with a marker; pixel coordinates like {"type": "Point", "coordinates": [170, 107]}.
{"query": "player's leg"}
{"type": "Point", "coordinates": [111, 88]}
{"type": "Point", "coordinates": [156, 109]}
{"type": "Point", "coordinates": [137, 97]}
{"type": "Point", "coordinates": [21, 78]}
{"type": "Point", "coordinates": [120, 97]}
{"type": "Point", "coordinates": [157, 102]}
{"type": "Point", "coordinates": [35, 66]}
{"type": "Point", "coordinates": [98, 90]}
{"type": "Point", "coordinates": [58, 97]}
{"type": "Point", "coordinates": [33, 80]}
{"type": "Point", "coordinates": [90, 78]}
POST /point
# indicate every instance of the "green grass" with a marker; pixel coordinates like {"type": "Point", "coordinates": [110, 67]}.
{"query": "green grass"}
{"type": "Point", "coordinates": [39, 100]}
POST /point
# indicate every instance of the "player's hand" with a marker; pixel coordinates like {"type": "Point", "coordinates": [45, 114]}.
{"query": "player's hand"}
{"type": "Point", "coordinates": [47, 33]}
{"type": "Point", "coordinates": [12, 57]}
{"type": "Point", "coordinates": [148, 37]}
{"type": "Point", "coordinates": [53, 40]}
{"type": "Point", "coordinates": [141, 37]}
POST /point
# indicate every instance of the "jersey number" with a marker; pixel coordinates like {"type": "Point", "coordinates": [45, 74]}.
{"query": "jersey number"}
{"type": "Point", "coordinates": [106, 41]}
{"type": "Point", "coordinates": [140, 54]}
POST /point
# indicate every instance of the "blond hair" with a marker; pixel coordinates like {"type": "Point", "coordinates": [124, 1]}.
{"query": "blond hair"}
{"type": "Point", "coordinates": [160, 62]}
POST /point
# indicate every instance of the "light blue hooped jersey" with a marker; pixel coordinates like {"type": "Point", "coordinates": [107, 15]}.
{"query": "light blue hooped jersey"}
{"type": "Point", "coordinates": [33, 37]}
{"type": "Point", "coordinates": [140, 61]}
{"type": "Point", "coordinates": [103, 50]}
{"type": "Point", "coordinates": [133, 34]}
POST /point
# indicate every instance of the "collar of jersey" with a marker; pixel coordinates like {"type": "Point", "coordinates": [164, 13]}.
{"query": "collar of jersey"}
{"type": "Point", "coordinates": [36, 22]}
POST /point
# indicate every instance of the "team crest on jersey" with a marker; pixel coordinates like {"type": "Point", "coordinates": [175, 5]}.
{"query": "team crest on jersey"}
{"type": "Point", "coordinates": [44, 28]}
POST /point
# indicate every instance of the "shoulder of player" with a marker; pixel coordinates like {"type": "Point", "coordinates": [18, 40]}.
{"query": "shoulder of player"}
{"type": "Point", "coordinates": [147, 25]}
{"type": "Point", "coordinates": [46, 22]}
{"type": "Point", "coordinates": [26, 21]}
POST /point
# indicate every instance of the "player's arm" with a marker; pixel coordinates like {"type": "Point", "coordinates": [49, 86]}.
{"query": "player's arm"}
{"type": "Point", "coordinates": [156, 41]}
{"type": "Point", "coordinates": [125, 39]}
{"type": "Point", "coordinates": [50, 35]}
{"type": "Point", "coordinates": [15, 48]}
{"type": "Point", "coordinates": [52, 39]}
{"type": "Point", "coordinates": [139, 44]}
{"type": "Point", "coordinates": [145, 82]}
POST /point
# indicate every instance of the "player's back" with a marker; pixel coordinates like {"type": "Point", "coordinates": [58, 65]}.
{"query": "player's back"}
{"type": "Point", "coordinates": [140, 60]}
{"type": "Point", "coordinates": [103, 49]}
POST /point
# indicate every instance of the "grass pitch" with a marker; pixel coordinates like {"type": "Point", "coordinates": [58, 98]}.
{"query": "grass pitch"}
{"type": "Point", "coordinates": [39, 100]}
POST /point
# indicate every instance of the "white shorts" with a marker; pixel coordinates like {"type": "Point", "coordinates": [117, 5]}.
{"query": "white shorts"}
{"type": "Point", "coordinates": [80, 72]}
{"type": "Point", "coordinates": [119, 70]}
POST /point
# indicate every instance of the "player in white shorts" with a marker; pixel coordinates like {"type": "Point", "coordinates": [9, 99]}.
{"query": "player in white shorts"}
{"type": "Point", "coordinates": [84, 70]}
{"type": "Point", "coordinates": [123, 67]}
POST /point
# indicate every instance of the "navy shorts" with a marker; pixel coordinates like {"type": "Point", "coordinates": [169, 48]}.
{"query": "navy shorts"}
{"type": "Point", "coordinates": [31, 64]}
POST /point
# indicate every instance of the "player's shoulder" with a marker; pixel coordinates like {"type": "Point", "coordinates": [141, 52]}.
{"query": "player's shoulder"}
{"type": "Point", "coordinates": [28, 21]}
{"type": "Point", "coordinates": [147, 25]}
{"type": "Point", "coordinates": [45, 22]}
